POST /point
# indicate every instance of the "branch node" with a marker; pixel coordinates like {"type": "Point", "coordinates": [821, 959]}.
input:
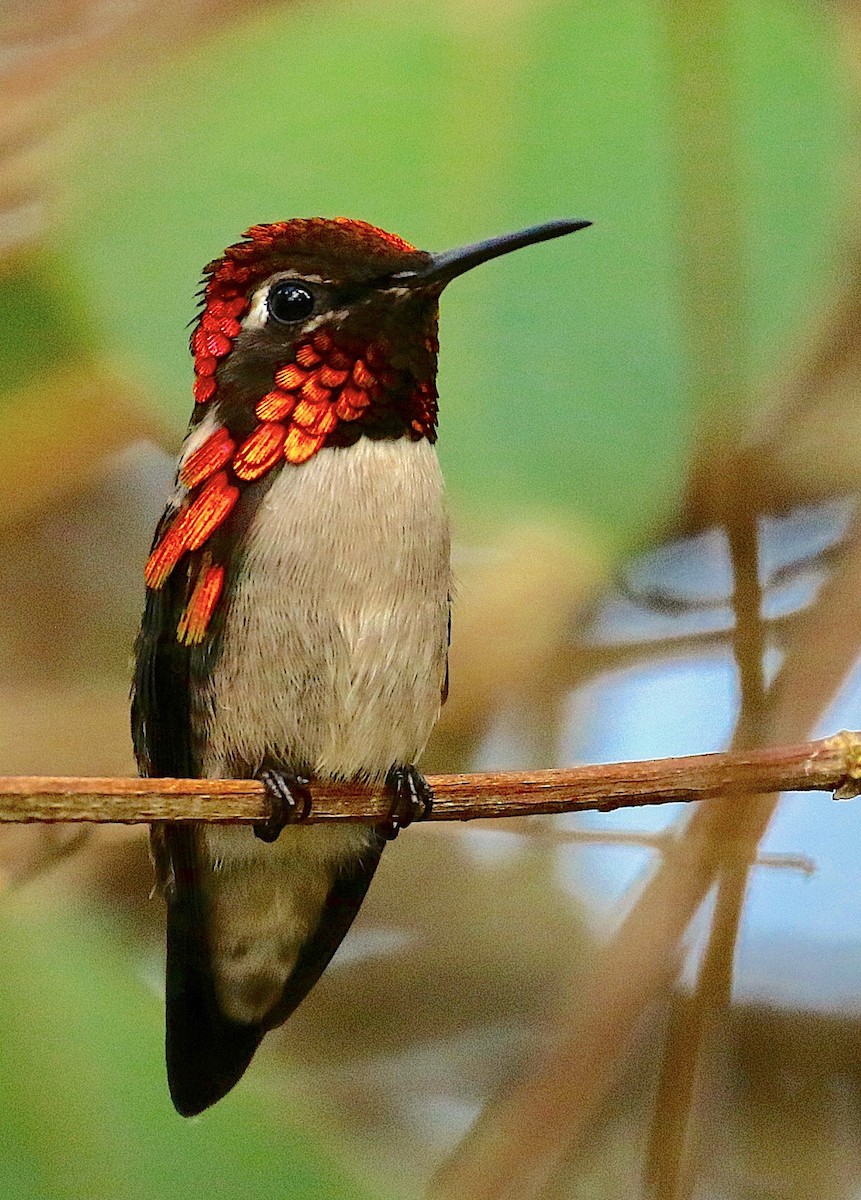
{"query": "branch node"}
{"type": "Point", "coordinates": [848, 744]}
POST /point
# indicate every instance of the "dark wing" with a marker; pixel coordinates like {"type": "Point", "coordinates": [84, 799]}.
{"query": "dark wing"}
{"type": "Point", "coordinates": [161, 724]}
{"type": "Point", "coordinates": [207, 1053]}
{"type": "Point", "coordinates": [341, 906]}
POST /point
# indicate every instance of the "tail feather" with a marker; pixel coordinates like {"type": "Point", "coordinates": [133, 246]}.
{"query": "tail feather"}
{"type": "Point", "coordinates": [207, 1052]}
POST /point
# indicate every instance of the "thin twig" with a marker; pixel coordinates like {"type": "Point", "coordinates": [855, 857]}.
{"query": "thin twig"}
{"type": "Point", "coordinates": [831, 764]}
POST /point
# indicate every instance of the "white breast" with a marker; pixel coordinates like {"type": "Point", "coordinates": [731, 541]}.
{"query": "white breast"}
{"type": "Point", "coordinates": [335, 641]}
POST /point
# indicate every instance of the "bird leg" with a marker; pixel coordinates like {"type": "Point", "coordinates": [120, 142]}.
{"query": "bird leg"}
{"type": "Point", "coordinates": [412, 800]}
{"type": "Point", "coordinates": [289, 800]}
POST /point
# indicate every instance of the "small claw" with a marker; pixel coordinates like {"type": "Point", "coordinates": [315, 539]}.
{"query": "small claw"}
{"type": "Point", "coordinates": [289, 800]}
{"type": "Point", "coordinates": [412, 800]}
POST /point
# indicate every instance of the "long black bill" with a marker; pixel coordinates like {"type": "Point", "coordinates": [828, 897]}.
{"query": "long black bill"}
{"type": "Point", "coordinates": [450, 263]}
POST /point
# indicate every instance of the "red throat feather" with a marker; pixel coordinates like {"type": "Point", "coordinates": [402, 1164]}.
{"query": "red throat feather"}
{"type": "Point", "coordinates": [194, 622]}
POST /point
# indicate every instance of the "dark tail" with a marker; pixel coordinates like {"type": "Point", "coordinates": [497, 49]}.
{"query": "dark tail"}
{"type": "Point", "coordinates": [206, 1052]}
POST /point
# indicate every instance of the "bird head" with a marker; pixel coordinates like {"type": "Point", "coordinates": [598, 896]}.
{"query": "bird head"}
{"type": "Point", "coordinates": [313, 333]}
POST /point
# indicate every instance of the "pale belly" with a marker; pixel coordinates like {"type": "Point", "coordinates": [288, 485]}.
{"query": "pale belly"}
{"type": "Point", "coordinates": [334, 649]}
{"type": "Point", "coordinates": [333, 660]}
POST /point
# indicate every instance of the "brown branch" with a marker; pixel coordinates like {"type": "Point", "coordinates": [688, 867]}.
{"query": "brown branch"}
{"type": "Point", "coordinates": [831, 764]}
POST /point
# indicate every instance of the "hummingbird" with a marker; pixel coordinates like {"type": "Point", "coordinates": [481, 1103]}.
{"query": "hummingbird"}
{"type": "Point", "coordinates": [297, 615]}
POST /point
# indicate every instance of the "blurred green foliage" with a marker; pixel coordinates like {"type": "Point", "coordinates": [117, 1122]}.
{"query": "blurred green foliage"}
{"type": "Point", "coordinates": [562, 372]}
{"type": "Point", "coordinates": [86, 1115]}
{"type": "Point", "coordinates": [44, 322]}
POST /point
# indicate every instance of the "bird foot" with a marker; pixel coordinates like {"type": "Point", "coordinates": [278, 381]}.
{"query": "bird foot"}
{"type": "Point", "coordinates": [289, 801]}
{"type": "Point", "coordinates": [412, 800]}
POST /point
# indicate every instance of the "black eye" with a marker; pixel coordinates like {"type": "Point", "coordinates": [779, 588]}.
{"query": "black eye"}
{"type": "Point", "coordinates": [289, 301]}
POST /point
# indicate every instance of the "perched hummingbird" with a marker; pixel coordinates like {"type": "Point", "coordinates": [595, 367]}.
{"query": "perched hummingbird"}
{"type": "Point", "coordinates": [297, 611]}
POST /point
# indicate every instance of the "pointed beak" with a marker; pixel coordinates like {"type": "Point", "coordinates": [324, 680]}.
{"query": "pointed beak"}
{"type": "Point", "coordinates": [444, 267]}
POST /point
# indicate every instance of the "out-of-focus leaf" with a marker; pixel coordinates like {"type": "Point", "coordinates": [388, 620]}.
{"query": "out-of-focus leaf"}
{"type": "Point", "coordinates": [562, 372]}
{"type": "Point", "coordinates": [86, 1115]}
{"type": "Point", "coordinates": [42, 328]}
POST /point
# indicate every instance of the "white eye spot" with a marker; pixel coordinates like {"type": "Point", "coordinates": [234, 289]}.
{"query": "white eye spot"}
{"type": "Point", "coordinates": [255, 318]}
{"type": "Point", "coordinates": [334, 317]}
